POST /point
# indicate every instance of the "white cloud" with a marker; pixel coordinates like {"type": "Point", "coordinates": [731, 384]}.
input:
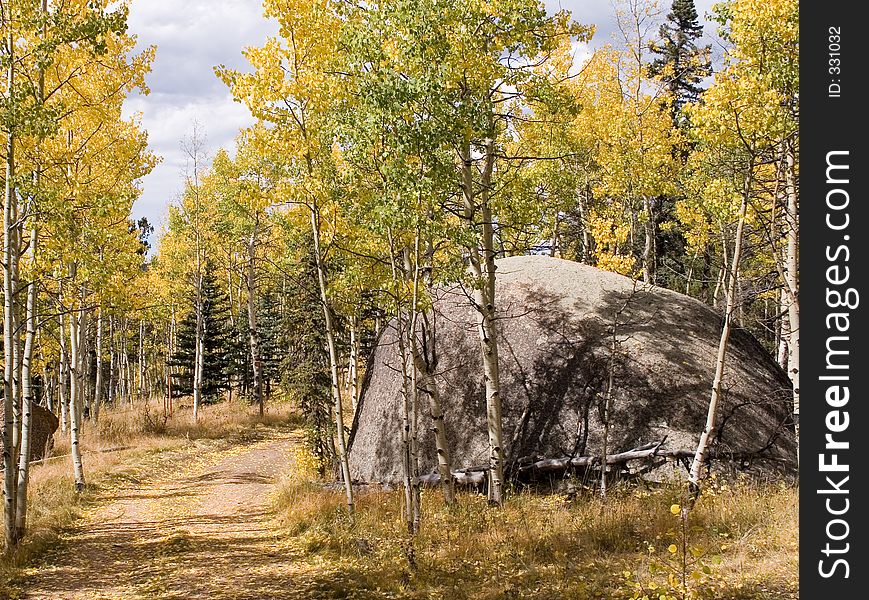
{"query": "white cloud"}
{"type": "Point", "coordinates": [191, 38]}
{"type": "Point", "coordinates": [194, 36]}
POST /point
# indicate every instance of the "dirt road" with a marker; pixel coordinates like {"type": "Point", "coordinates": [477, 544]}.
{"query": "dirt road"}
{"type": "Point", "coordinates": [201, 529]}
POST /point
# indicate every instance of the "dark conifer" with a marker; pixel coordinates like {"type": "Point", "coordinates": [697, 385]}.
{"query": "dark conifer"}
{"type": "Point", "coordinates": [681, 64]}
{"type": "Point", "coordinates": [217, 341]}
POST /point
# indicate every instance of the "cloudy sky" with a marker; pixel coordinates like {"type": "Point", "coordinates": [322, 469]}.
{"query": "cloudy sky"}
{"type": "Point", "coordinates": [194, 36]}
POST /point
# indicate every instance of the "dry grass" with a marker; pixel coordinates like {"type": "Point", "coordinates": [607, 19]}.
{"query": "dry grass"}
{"type": "Point", "coordinates": [741, 539]}
{"type": "Point", "coordinates": [125, 443]}
{"type": "Point", "coordinates": [740, 542]}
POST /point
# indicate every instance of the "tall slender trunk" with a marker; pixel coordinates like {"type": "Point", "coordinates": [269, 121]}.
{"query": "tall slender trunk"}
{"type": "Point", "coordinates": [781, 330]}
{"type": "Point", "coordinates": [141, 365]}
{"type": "Point", "coordinates": [27, 355]}
{"type": "Point", "coordinates": [607, 409]}
{"type": "Point", "coordinates": [353, 369]}
{"type": "Point", "coordinates": [98, 381]}
{"type": "Point", "coordinates": [792, 285]}
{"type": "Point", "coordinates": [333, 360]}
{"type": "Point", "coordinates": [406, 429]}
{"type": "Point", "coordinates": [483, 272]}
{"type": "Point", "coordinates": [27, 399]}
{"type": "Point", "coordinates": [75, 394]}
{"type": "Point", "coordinates": [409, 437]}
{"type": "Point", "coordinates": [730, 300]}
{"type": "Point", "coordinates": [649, 251]}
{"type": "Point", "coordinates": [256, 359]}
{"type": "Point", "coordinates": [63, 375]}
{"type": "Point", "coordinates": [79, 364]}
{"type": "Point", "coordinates": [199, 351]}
{"type": "Point", "coordinates": [9, 399]}
{"type": "Point", "coordinates": [414, 388]}
{"type": "Point", "coordinates": [112, 383]}
{"type": "Point", "coordinates": [128, 374]}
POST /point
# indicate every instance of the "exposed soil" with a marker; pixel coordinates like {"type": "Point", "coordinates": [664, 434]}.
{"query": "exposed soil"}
{"type": "Point", "coordinates": [200, 529]}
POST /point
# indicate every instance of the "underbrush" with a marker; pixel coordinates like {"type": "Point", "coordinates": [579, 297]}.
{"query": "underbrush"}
{"type": "Point", "coordinates": [125, 444]}
{"type": "Point", "coordinates": [740, 541]}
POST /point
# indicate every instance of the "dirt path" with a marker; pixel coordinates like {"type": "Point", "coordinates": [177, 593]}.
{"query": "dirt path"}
{"type": "Point", "coordinates": [199, 532]}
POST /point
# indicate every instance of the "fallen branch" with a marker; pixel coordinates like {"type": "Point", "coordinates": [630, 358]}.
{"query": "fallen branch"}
{"type": "Point", "coordinates": [101, 451]}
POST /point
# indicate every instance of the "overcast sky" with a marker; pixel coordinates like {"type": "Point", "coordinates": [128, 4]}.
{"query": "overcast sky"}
{"type": "Point", "coordinates": [194, 36]}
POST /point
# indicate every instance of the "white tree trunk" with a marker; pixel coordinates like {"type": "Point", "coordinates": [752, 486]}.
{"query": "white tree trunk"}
{"type": "Point", "coordinates": [98, 384]}
{"type": "Point", "coordinates": [792, 285]}
{"type": "Point", "coordinates": [75, 397]}
{"type": "Point", "coordinates": [141, 360]}
{"type": "Point", "coordinates": [353, 368]}
{"type": "Point", "coordinates": [9, 255]}
{"type": "Point", "coordinates": [783, 329]}
{"type": "Point", "coordinates": [483, 272]}
{"type": "Point", "coordinates": [199, 352]}
{"type": "Point", "coordinates": [333, 361]}
{"type": "Point", "coordinates": [430, 389]}
{"type": "Point", "coordinates": [730, 299]}
{"type": "Point", "coordinates": [649, 251]}
{"type": "Point", "coordinates": [27, 400]}
{"type": "Point", "coordinates": [63, 376]}
{"type": "Point", "coordinates": [256, 359]}
{"type": "Point", "coordinates": [112, 384]}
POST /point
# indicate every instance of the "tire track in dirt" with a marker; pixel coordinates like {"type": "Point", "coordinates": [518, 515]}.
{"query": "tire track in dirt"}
{"type": "Point", "coordinates": [202, 530]}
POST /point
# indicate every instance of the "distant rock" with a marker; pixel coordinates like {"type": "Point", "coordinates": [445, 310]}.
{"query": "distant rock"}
{"type": "Point", "coordinates": [43, 425]}
{"type": "Point", "coordinates": [554, 322]}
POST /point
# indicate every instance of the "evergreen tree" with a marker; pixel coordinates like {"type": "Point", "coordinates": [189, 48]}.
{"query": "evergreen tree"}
{"type": "Point", "coordinates": [239, 370]}
{"type": "Point", "coordinates": [681, 63]}
{"type": "Point", "coordinates": [217, 348]}
{"type": "Point", "coordinates": [272, 350]}
{"type": "Point", "coordinates": [305, 368]}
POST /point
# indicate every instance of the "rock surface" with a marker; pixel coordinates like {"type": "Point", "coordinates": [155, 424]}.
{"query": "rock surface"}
{"type": "Point", "coordinates": [43, 425]}
{"type": "Point", "coordinates": [555, 319]}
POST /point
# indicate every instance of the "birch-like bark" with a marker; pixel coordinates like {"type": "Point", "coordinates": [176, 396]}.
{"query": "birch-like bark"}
{"type": "Point", "coordinates": [9, 400]}
{"type": "Point", "coordinates": [98, 382]}
{"type": "Point", "coordinates": [333, 360]}
{"type": "Point", "coordinates": [75, 395]}
{"type": "Point", "coordinates": [483, 271]}
{"type": "Point", "coordinates": [256, 359]}
{"type": "Point", "coordinates": [649, 251]}
{"type": "Point", "coordinates": [112, 383]}
{"type": "Point", "coordinates": [425, 359]}
{"type": "Point", "coordinates": [199, 352]}
{"type": "Point", "coordinates": [79, 366]}
{"type": "Point", "coordinates": [27, 399]}
{"type": "Point", "coordinates": [730, 298]}
{"type": "Point", "coordinates": [63, 375]}
{"type": "Point", "coordinates": [607, 409]}
{"type": "Point", "coordinates": [27, 355]}
{"type": "Point", "coordinates": [141, 365]}
{"type": "Point", "coordinates": [353, 369]}
{"type": "Point", "coordinates": [782, 330]}
{"type": "Point", "coordinates": [792, 285]}
{"type": "Point", "coordinates": [409, 437]}
{"type": "Point", "coordinates": [414, 390]}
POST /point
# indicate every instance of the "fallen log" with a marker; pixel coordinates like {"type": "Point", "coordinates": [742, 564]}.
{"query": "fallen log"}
{"type": "Point", "coordinates": [549, 465]}
{"type": "Point", "coordinates": [476, 476]}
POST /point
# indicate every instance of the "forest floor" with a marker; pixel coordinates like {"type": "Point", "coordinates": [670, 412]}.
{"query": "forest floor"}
{"type": "Point", "coordinates": [197, 526]}
{"type": "Point", "coordinates": [230, 507]}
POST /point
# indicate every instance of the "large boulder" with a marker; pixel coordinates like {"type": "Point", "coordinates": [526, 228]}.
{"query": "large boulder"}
{"type": "Point", "coordinates": [42, 427]}
{"type": "Point", "coordinates": [555, 322]}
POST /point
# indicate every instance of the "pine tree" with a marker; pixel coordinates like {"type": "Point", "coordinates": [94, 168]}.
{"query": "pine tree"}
{"type": "Point", "coordinates": [272, 350]}
{"type": "Point", "coordinates": [305, 368]}
{"type": "Point", "coordinates": [682, 64]}
{"type": "Point", "coordinates": [218, 338]}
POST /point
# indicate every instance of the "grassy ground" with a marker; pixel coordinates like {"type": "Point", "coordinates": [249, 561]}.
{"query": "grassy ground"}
{"type": "Point", "coordinates": [740, 542]}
